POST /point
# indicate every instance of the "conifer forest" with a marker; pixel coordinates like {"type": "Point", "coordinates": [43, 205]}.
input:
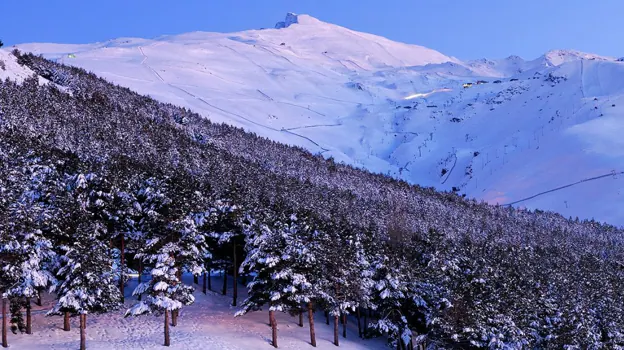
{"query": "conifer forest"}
{"type": "Point", "coordinates": [99, 184]}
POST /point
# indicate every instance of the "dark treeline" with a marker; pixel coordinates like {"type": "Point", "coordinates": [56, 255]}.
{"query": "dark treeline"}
{"type": "Point", "coordinates": [96, 176]}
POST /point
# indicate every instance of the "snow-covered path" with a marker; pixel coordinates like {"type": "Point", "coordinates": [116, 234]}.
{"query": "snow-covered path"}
{"type": "Point", "coordinates": [208, 324]}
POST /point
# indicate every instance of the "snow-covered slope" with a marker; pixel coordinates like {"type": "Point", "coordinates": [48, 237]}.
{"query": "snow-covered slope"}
{"type": "Point", "coordinates": [399, 109]}
{"type": "Point", "coordinates": [11, 70]}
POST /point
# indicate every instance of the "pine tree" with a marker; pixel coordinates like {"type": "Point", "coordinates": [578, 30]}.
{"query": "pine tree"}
{"type": "Point", "coordinates": [25, 251]}
{"type": "Point", "coordinates": [164, 293]}
{"type": "Point", "coordinates": [85, 280]}
{"type": "Point", "coordinates": [110, 204]}
{"type": "Point", "coordinates": [85, 277]}
{"type": "Point", "coordinates": [283, 256]}
{"type": "Point", "coordinates": [345, 278]}
{"type": "Point", "coordinates": [409, 305]}
{"type": "Point", "coordinates": [222, 225]}
{"type": "Point", "coordinates": [173, 243]}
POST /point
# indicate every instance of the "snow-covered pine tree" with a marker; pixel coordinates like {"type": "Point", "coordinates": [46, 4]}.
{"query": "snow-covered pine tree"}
{"type": "Point", "coordinates": [370, 255]}
{"type": "Point", "coordinates": [85, 280]}
{"type": "Point", "coordinates": [164, 293]}
{"type": "Point", "coordinates": [108, 199]}
{"type": "Point", "coordinates": [172, 243]}
{"type": "Point", "coordinates": [223, 227]}
{"type": "Point", "coordinates": [389, 295]}
{"type": "Point", "coordinates": [25, 251]}
{"type": "Point", "coordinates": [264, 248]}
{"type": "Point", "coordinates": [346, 272]}
{"type": "Point", "coordinates": [409, 304]}
{"type": "Point", "coordinates": [108, 204]}
{"type": "Point", "coordinates": [282, 253]}
{"type": "Point", "coordinates": [304, 250]}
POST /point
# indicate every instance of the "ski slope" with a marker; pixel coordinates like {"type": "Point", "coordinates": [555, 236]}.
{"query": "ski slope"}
{"type": "Point", "coordinates": [544, 136]}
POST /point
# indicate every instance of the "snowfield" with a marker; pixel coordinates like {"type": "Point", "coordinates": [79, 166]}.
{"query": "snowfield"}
{"type": "Point", "coordinates": [207, 324]}
{"type": "Point", "coordinates": [543, 133]}
{"type": "Point", "coordinates": [10, 69]}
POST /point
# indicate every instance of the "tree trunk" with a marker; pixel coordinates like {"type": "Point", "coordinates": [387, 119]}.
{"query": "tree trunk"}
{"type": "Point", "coordinates": [344, 324]}
{"type": "Point", "coordinates": [167, 340]}
{"type": "Point", "coordinates": [66, 325]}
{"type": "Point", "coordinates": [311, 321]}
{"type": "Point", "coordinates": [209, 279]}
{"type": "Point", "coordinates": [5, 342]}
{"type": "Point", "coordinates": [224, 291]}
{"type": "Point", "coordinates": [365, 323]}
{"type": "Point", "coordinates": [327, 317]}
{"type": "Point", "coordinates": [175, 313]}
{"type": "Point", "coordinates": [28, 317]}
{"type": "Point", "coordinates": [300, 318]}
{"type": "Point", "coordinates": [83, 333]}
{"type": "Point", "coordinates": [336, 338]}
{"type": "Point", "coordinates": [196, 279]}
{"type": "Point", "coordinates": [204, 285]}
{"type": "Point", "coordinates": [140, 270]}
{"type": "Point", "coordinates": [273, 327]}
{"type": "Point", "coordinates": [121, 268]}
{"type": "Point", "coordinates": [38, 301]}
{"type": "Point", "coordinates": [359, 322]}
{"type": "Point", "coordinates": [174, 318]}
{"type": "Point", "coordinates": [234, 276]}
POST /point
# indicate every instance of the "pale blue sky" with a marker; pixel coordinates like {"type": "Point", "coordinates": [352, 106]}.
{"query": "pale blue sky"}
{"type": "Point", "coordinates": [461, 28]}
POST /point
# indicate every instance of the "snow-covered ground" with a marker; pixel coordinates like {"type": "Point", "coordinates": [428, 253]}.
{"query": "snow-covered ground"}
{"type": "Point", "coordinates": [397, 109]}
{"type": "Point", "coordinates": [207, 324]}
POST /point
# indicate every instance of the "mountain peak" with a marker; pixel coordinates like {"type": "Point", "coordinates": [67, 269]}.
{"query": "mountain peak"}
{"type": "Point", "coordinates": [293, 18]}
{"type": "Point", "coordinates": [558, 57]}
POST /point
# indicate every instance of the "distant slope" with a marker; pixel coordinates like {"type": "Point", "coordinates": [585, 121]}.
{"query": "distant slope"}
{"type": "Point", "coordinates": [550, 122]}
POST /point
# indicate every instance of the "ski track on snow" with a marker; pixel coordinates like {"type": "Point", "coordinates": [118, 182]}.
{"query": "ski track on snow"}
{"type": "Point", "coordinates": [143, 62]}
{"type": "Point", "coordinates": [611, 174]}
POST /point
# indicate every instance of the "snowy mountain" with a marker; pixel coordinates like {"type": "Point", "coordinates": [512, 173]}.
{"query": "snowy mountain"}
{"type": "Point", "coordinates": [91, 168]}
{"type": "Point", "coordinates": [529, 132]}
